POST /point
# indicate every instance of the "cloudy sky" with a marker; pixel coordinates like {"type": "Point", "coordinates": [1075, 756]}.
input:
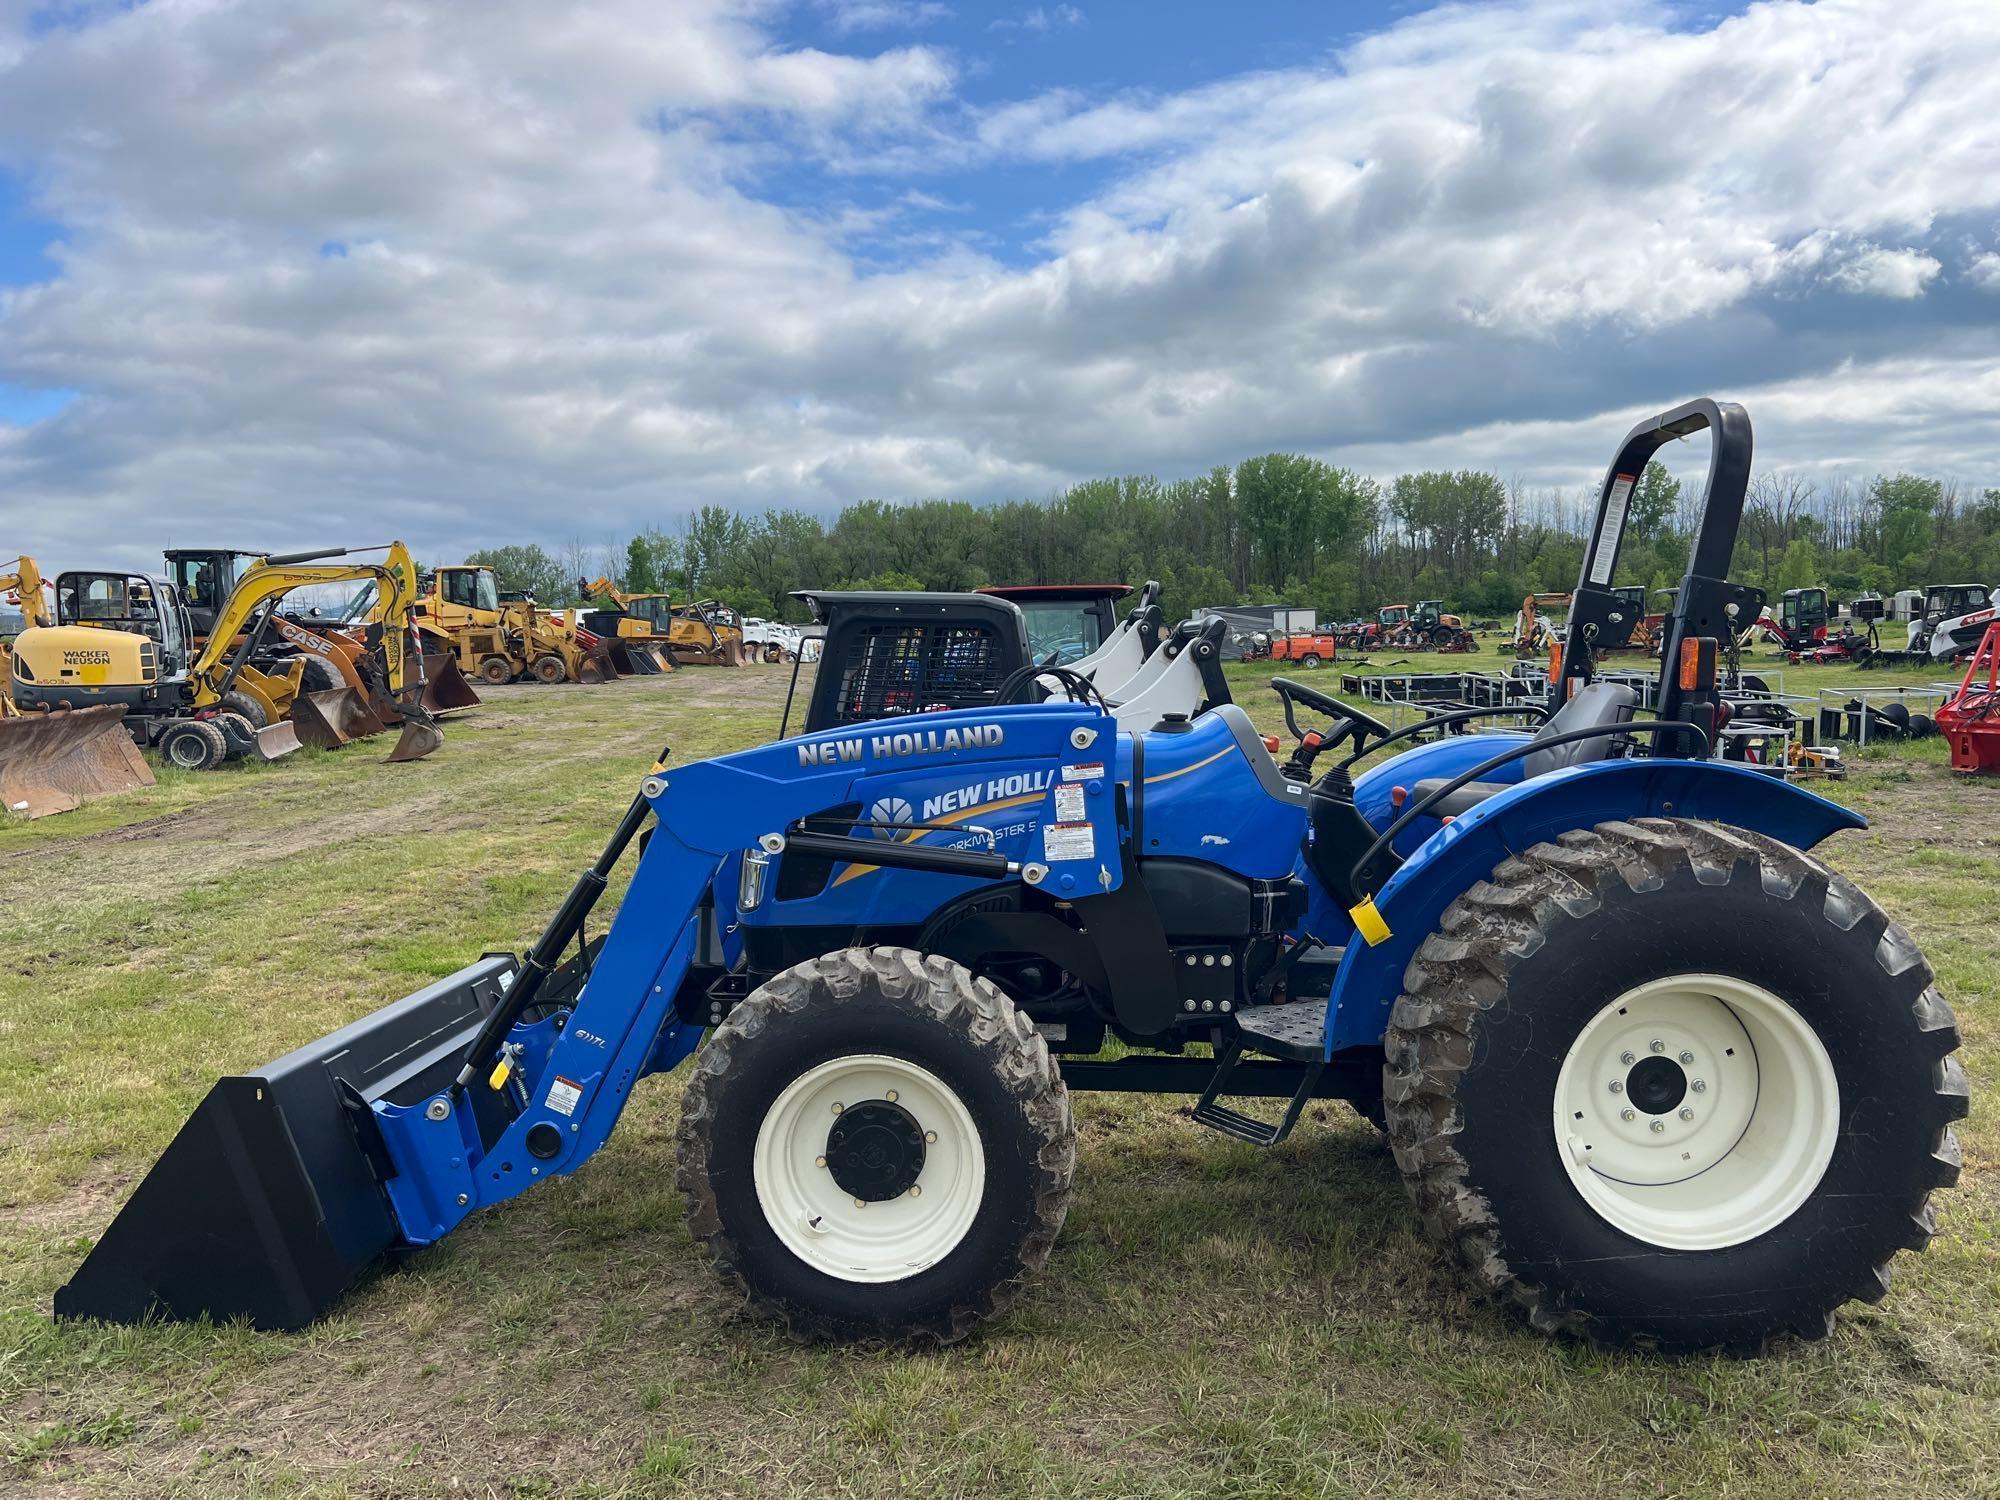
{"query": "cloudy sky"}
{"type": "Point", "coordinates": [277, 274]}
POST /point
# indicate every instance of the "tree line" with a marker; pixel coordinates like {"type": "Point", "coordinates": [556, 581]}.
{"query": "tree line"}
{"type": "Point", "coordinates": [1284, 528]}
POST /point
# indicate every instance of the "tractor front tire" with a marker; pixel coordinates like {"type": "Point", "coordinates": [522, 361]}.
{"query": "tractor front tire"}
{"type": "Point", "coordinates": [877, 1146]}
{"type": "Point", "coordinates": [193, 745]}
{"type": "Point", "coordinates": [1673, 1085]}
{"type": "Point", "coordinates": [549, 669]}
{"type": "Point", "coordinates": [496, 670]}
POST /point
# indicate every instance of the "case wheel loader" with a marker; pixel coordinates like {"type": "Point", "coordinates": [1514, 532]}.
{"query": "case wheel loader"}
{"type": "Point", "coordinates": [1652, 1074]}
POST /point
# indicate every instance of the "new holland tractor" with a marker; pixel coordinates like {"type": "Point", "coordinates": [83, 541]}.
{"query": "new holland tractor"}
{"type": "Point", "coordinates": [1650, 1071]}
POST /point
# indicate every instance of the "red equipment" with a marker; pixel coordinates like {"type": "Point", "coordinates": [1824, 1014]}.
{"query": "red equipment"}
{"type": "Point", "coordinates": [1970, 718]}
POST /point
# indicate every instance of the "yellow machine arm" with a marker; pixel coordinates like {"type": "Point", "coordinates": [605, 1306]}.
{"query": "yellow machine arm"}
{"type": "Point", "coordinates": [26, 579]}
{"type": "Point", "coordinates": [604, 588]}
{"type": "Point", "coordinates": [395, 580]}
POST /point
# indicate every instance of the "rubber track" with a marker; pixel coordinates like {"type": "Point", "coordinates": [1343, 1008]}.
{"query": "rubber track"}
{"type": "Point", "coordinates": [1461, 970]}
{"type": "Point", "coordinates": [1003, 1035]}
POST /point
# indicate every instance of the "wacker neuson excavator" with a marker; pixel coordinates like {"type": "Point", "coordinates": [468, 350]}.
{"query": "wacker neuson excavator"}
{"type": "Point", "coordinates": [1650, 1070]}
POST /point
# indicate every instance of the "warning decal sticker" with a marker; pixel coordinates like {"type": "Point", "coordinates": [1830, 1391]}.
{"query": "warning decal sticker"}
{"type": "Point", "coordinates": [564, 1095]}
{"type": "Point", "coordinates": [1069, 804]}
{"type": "Point", "coordinates": [1062, 841]}
{"type": "Point", "coordinates": [1606, 556]}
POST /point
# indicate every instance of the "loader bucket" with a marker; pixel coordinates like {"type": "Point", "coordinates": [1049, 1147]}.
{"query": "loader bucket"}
{"type": "Point", "coordinates": [596, 666]}
{"type": "Point", "coordinates": [338, 716]}
{"type": "Point", "coordinates": [53, 762]}
{"type": "Point", "coordinates": [275, 741]}
{"type": "Point", "coordinates": [445, 687]}
{"type": "Point", "coordinates": [268, 1205]}
{"type": "Point", "coordinates": [633, 661]}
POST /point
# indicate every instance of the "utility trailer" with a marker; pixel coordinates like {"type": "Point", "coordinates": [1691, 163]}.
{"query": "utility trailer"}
{"type": "Point", "coordinates": [1651, 1073]}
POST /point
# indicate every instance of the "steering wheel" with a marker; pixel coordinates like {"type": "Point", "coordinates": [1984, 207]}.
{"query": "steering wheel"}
{"type": "Point", "coordinates": [1353, 722]}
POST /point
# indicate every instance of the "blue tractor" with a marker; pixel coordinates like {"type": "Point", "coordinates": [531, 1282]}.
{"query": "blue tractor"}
{"type": "Point", "coordinates": [1650, 1071]}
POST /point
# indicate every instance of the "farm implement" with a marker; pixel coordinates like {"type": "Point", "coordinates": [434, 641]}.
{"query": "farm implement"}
{"type": "Point", "coordinates": [1651, 1072]}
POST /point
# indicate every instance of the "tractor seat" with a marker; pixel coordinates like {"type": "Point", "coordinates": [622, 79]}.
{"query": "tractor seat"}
{"type": "Point", "coordinates": [1592, 706]}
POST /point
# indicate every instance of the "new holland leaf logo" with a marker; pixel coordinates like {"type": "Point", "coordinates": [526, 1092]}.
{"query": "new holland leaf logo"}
{"type": "Point", "coordinates": [888, 813]}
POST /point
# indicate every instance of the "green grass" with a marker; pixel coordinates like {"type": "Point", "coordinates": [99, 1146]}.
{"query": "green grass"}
{"type": "Point", "coordinates": [1216, 1320]}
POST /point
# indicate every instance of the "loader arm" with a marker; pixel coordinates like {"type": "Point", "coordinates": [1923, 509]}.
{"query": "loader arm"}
{"type": "Point", "coordinates": [395, 580]}
{"type": "Point", "coordinates": [603, 588]}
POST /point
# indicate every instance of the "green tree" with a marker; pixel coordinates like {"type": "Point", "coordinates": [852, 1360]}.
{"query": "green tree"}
{"type": "Point", "coordinates": [1655, 499]}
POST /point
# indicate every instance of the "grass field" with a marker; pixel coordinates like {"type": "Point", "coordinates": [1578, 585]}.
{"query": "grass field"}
{"type": "Point", "coordinates": [1216, 1320]}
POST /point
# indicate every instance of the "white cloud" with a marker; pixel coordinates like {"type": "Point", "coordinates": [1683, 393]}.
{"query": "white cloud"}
{"type": "Point", "coordinates": [1039, 19]}
{"type": "Point", "coordinates": [1879, 272]}
{"type": "Point", "coordinates": [883, 15]}
{"type": "Point", "coordinates": [553, 302]}
{"type": "Point", "coordinates": [1983, 271]}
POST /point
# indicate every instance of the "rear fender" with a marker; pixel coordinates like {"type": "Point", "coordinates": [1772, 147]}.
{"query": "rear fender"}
{"type": "Point", "coordinates": [1467, 850]}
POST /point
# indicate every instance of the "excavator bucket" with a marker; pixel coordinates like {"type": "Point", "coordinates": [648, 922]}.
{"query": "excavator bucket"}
{"type": "Point", "coordinates": [445, 687]}
{"type": "Point", "coordinates": [661, 658]}
{"type": "Point", "coordinates": [420, 736]}
{"type": "Point", "coordinates": [269, 1203]}
{"type": "Point", "coordinates": [53, 762]}
{"type": "Point", "coordinates": [335, 717]}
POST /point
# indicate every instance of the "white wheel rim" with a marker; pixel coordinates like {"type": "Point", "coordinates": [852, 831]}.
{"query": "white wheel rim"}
{"type": "Point", "coordinates": [1736, 1151]}
{"type": "Point", "coordinates": [825, 1225]}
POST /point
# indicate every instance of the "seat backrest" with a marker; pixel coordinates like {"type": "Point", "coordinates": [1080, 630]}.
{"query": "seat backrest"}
{"type": "Point", "coordinates": [1590, 706]}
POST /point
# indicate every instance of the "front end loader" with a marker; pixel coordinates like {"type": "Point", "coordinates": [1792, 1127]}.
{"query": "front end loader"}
{"type": "Point", "coordinates": [1651, 1073]}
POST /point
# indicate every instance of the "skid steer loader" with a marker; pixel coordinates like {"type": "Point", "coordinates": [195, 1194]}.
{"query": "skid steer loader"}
{"type": "Point", "coordinates": [1651, 1072]}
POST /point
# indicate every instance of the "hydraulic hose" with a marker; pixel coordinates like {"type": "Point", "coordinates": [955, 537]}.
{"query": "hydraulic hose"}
{"type": "Point", "coordinates": [542, 959]}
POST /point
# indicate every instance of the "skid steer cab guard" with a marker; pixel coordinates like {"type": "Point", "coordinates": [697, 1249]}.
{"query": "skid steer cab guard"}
{"type": "Point", "coordinates": [1649, 1070]}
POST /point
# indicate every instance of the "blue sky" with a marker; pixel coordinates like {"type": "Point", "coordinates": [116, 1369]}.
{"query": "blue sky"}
{"type": "Point", "coordinates": [594, 271]}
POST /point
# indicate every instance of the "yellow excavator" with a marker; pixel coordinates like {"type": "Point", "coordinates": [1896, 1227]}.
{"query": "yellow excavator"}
{"type": "Point", "coordinates": [125, 639]}
{"type": "Point", "coordinates": [51, 763]}
{"type": "Point", "coordinates": [702, 634]}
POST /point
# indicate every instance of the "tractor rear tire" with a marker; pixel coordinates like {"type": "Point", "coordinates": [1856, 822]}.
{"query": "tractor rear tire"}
{"type": "Point", "coordinates": [1673, 1085]}
{"type": "Point", "coordinates": [497, 670]}
{"type": "Point", "coordinates": [549, 669]}
{"type": "Point", "coordinates": [877, 1146]}
{"type": "Point", "coordinates": [193, 745]}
